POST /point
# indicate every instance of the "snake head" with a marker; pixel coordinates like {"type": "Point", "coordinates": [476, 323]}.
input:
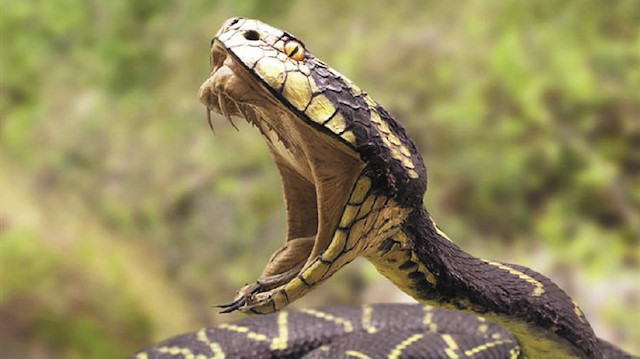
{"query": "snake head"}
{"type": "Point", "coordinates": [345, 163]}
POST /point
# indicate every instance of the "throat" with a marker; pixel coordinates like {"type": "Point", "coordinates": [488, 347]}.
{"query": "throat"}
{"type": "Point", "coordinates": [421, 260]}
{"type": "Point", "coordinates": [424, 263]}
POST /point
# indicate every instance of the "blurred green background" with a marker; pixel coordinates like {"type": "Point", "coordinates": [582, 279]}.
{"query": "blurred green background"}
{"type": "Point", "coordinates": [123, 219]}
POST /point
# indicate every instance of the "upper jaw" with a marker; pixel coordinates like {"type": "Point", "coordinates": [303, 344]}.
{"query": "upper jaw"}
{"type": "Point", "coordinates": [225, 88]}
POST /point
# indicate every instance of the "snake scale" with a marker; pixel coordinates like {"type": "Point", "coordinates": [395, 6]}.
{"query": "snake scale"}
{"type": "Point", "coordinates": [353, 184]}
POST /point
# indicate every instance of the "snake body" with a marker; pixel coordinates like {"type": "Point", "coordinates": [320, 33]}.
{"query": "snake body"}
{"type": "Point", "coordinates": [353, 183]}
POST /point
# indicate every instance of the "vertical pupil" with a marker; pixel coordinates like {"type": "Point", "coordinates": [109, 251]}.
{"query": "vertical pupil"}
{"type": "Point", "coordinates": [293, 51]}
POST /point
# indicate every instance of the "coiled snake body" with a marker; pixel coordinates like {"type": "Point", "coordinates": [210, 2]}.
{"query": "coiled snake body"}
{"type": "Point", "coordinates": [353, 184]}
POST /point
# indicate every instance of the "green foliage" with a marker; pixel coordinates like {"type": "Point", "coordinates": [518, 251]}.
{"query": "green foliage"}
{"type": "Point", "coordinates": [123, 219]}
{"type": "Point", "coordinates": [18, 249]}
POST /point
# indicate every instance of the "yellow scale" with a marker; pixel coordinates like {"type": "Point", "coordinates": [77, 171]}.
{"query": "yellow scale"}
{"type": "Point", "coordinates": [283, 73]}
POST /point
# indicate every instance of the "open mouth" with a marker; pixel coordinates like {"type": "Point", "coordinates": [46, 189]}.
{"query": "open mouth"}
{"type": "Point", "coordinates": [318, 173]}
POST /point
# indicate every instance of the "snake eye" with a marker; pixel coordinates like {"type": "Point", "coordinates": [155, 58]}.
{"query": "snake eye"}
{"type": "Point", "coordinates": [294, 50]}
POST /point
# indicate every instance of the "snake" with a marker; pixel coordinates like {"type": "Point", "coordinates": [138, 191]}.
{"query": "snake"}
{"type": "Point", "coordinates": [353, 184]}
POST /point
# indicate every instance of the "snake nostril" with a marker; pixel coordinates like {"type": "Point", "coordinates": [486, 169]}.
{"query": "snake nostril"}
{"type": "Point", "coordinates": [251, 35]}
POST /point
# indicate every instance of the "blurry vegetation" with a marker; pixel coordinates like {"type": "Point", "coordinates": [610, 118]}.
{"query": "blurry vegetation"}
{"type": "Point", "coordinates": [123, 219]}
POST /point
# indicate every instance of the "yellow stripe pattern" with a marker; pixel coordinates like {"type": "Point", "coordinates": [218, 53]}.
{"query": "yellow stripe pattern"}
{"type": "Point", "coordinates": [479, 348]}
{"type": "Point", "coordinates": [439, 231]}
{"type": "Point", "coordinates": [428, 319]}
{"type": "Point", "coordinates": [346, 324]}
{"type": "Point", "coordinates": [452, 347]}
{"type": "Point", "coordinates": [280, 342]}
{"type": "Point", "coordinates": [366, 319]}
{"type": "Point", "coordinates": [397, 351]}
{"type": "Point", "coordinates": [216, 349]}
{"type": "Point", "coordinates": [538, 286]}
{"type": "Point", "coordinates": [251, 335]}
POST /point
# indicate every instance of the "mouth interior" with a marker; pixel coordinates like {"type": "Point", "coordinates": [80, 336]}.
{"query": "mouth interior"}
{"type": "Point", "coordinates": [316, 171]}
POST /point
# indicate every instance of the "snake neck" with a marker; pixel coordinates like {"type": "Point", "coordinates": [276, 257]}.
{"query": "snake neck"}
{"type": "Point", "coordinates": [423, 262]}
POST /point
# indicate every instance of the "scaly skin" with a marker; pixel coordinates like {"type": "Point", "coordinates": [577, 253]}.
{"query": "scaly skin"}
{"type": "Point", "coordinates": [353, 182]}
